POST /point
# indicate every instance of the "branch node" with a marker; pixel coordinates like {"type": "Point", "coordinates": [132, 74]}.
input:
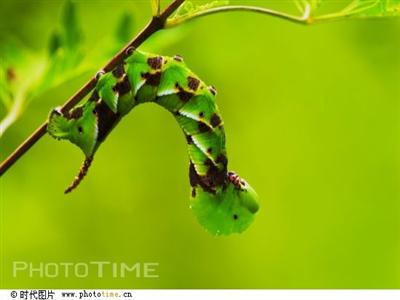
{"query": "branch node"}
{"type": "Point", "coordinates": [307, 16]}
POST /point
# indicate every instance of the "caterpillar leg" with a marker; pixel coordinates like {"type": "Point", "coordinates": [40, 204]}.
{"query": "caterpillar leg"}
{"type": "Point", "coordinates": [82, 173]}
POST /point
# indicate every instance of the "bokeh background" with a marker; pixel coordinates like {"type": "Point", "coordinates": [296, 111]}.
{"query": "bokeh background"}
{"type": "Point", "coordinates": [312, 122]}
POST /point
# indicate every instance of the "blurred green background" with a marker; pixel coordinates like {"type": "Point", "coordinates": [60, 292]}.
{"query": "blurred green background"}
{"type": "Point", "coordinates": [312, 122]}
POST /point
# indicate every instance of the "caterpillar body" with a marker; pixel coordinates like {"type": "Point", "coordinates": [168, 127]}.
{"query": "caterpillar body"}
{"type": "Point", "coordinates": [222, 202]}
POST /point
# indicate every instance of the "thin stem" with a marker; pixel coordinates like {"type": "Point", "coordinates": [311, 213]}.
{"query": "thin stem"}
{"type": "Point", "coordinates": [156, 24]}
{"type": "Point", "coordinates": [305, 19]}
{"type": "Point", "coordinates": [345, 13]}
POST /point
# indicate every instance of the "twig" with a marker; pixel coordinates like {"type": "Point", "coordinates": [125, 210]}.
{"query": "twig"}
{"type": "Point", "coordinates": [305, 19]}
{"type": "Point", "coordinates": [157, 23]}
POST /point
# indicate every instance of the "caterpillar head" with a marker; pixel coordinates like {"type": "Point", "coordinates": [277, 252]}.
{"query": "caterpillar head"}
{"type": "Point", "coordinates": [230, 209]}
{"type": "Point", "coordinates": [79, 127]}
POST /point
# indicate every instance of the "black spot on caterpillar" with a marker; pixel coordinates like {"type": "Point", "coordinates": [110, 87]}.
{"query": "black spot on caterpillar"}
{"type": "Point", "coordinates": [215, 120]}
{"type": "Point", "coordinates": [155, 62]}
{"type": "Point", "coordinates": [119, 71]}
{"type": "Point", "coordinates": [152, 79]}
{"type": "Point", "coordinates": [193, 83]}
{"type": "Point", "coordinates": [123, 87]}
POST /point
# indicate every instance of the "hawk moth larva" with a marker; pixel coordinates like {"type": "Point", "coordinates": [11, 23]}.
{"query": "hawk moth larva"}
{"type": "Point", "coordinates": [222, 202]}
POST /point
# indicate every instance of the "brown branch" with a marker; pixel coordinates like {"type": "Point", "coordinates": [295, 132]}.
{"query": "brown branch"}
{"type": "Point", "coordinates": [157, 23]}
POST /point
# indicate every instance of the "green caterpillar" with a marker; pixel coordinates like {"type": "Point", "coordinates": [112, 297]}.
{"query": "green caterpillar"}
{"type": "Point", "coordinates": [222, 202]}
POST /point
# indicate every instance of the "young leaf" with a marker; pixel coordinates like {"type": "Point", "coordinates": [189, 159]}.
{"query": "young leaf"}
{"type": "Point", "coordinates": [155, 7]}
{"type": "Point", "coordinates": [373, 8]}
{"type": "Point", "coordinates": [312, 4]}
{"type": "Point", "coordinates": [188, 9]}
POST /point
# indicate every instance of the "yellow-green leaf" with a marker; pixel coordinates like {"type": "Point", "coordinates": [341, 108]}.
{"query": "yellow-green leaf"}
{"type": "Point", "coordinates": [373, 8]}
{"type": "Point", "coordinates": [155, 7]}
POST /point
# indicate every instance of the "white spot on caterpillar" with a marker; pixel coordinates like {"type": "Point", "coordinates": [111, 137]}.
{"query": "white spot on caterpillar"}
{"type": "Point", "coordinates": [202, 148]}
{"type": "Point", "coordinates": [189, 115]}
{"type": "Point", "coordinates": [139, 85]}
{"type": "Point", "coordinates": [198, 170]}
{"type": "Point", "coordinates": [166, 92]}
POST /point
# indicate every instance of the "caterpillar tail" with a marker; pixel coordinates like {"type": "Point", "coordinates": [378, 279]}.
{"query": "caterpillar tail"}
{"type": "Point", "coordinates": [82, 173]}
